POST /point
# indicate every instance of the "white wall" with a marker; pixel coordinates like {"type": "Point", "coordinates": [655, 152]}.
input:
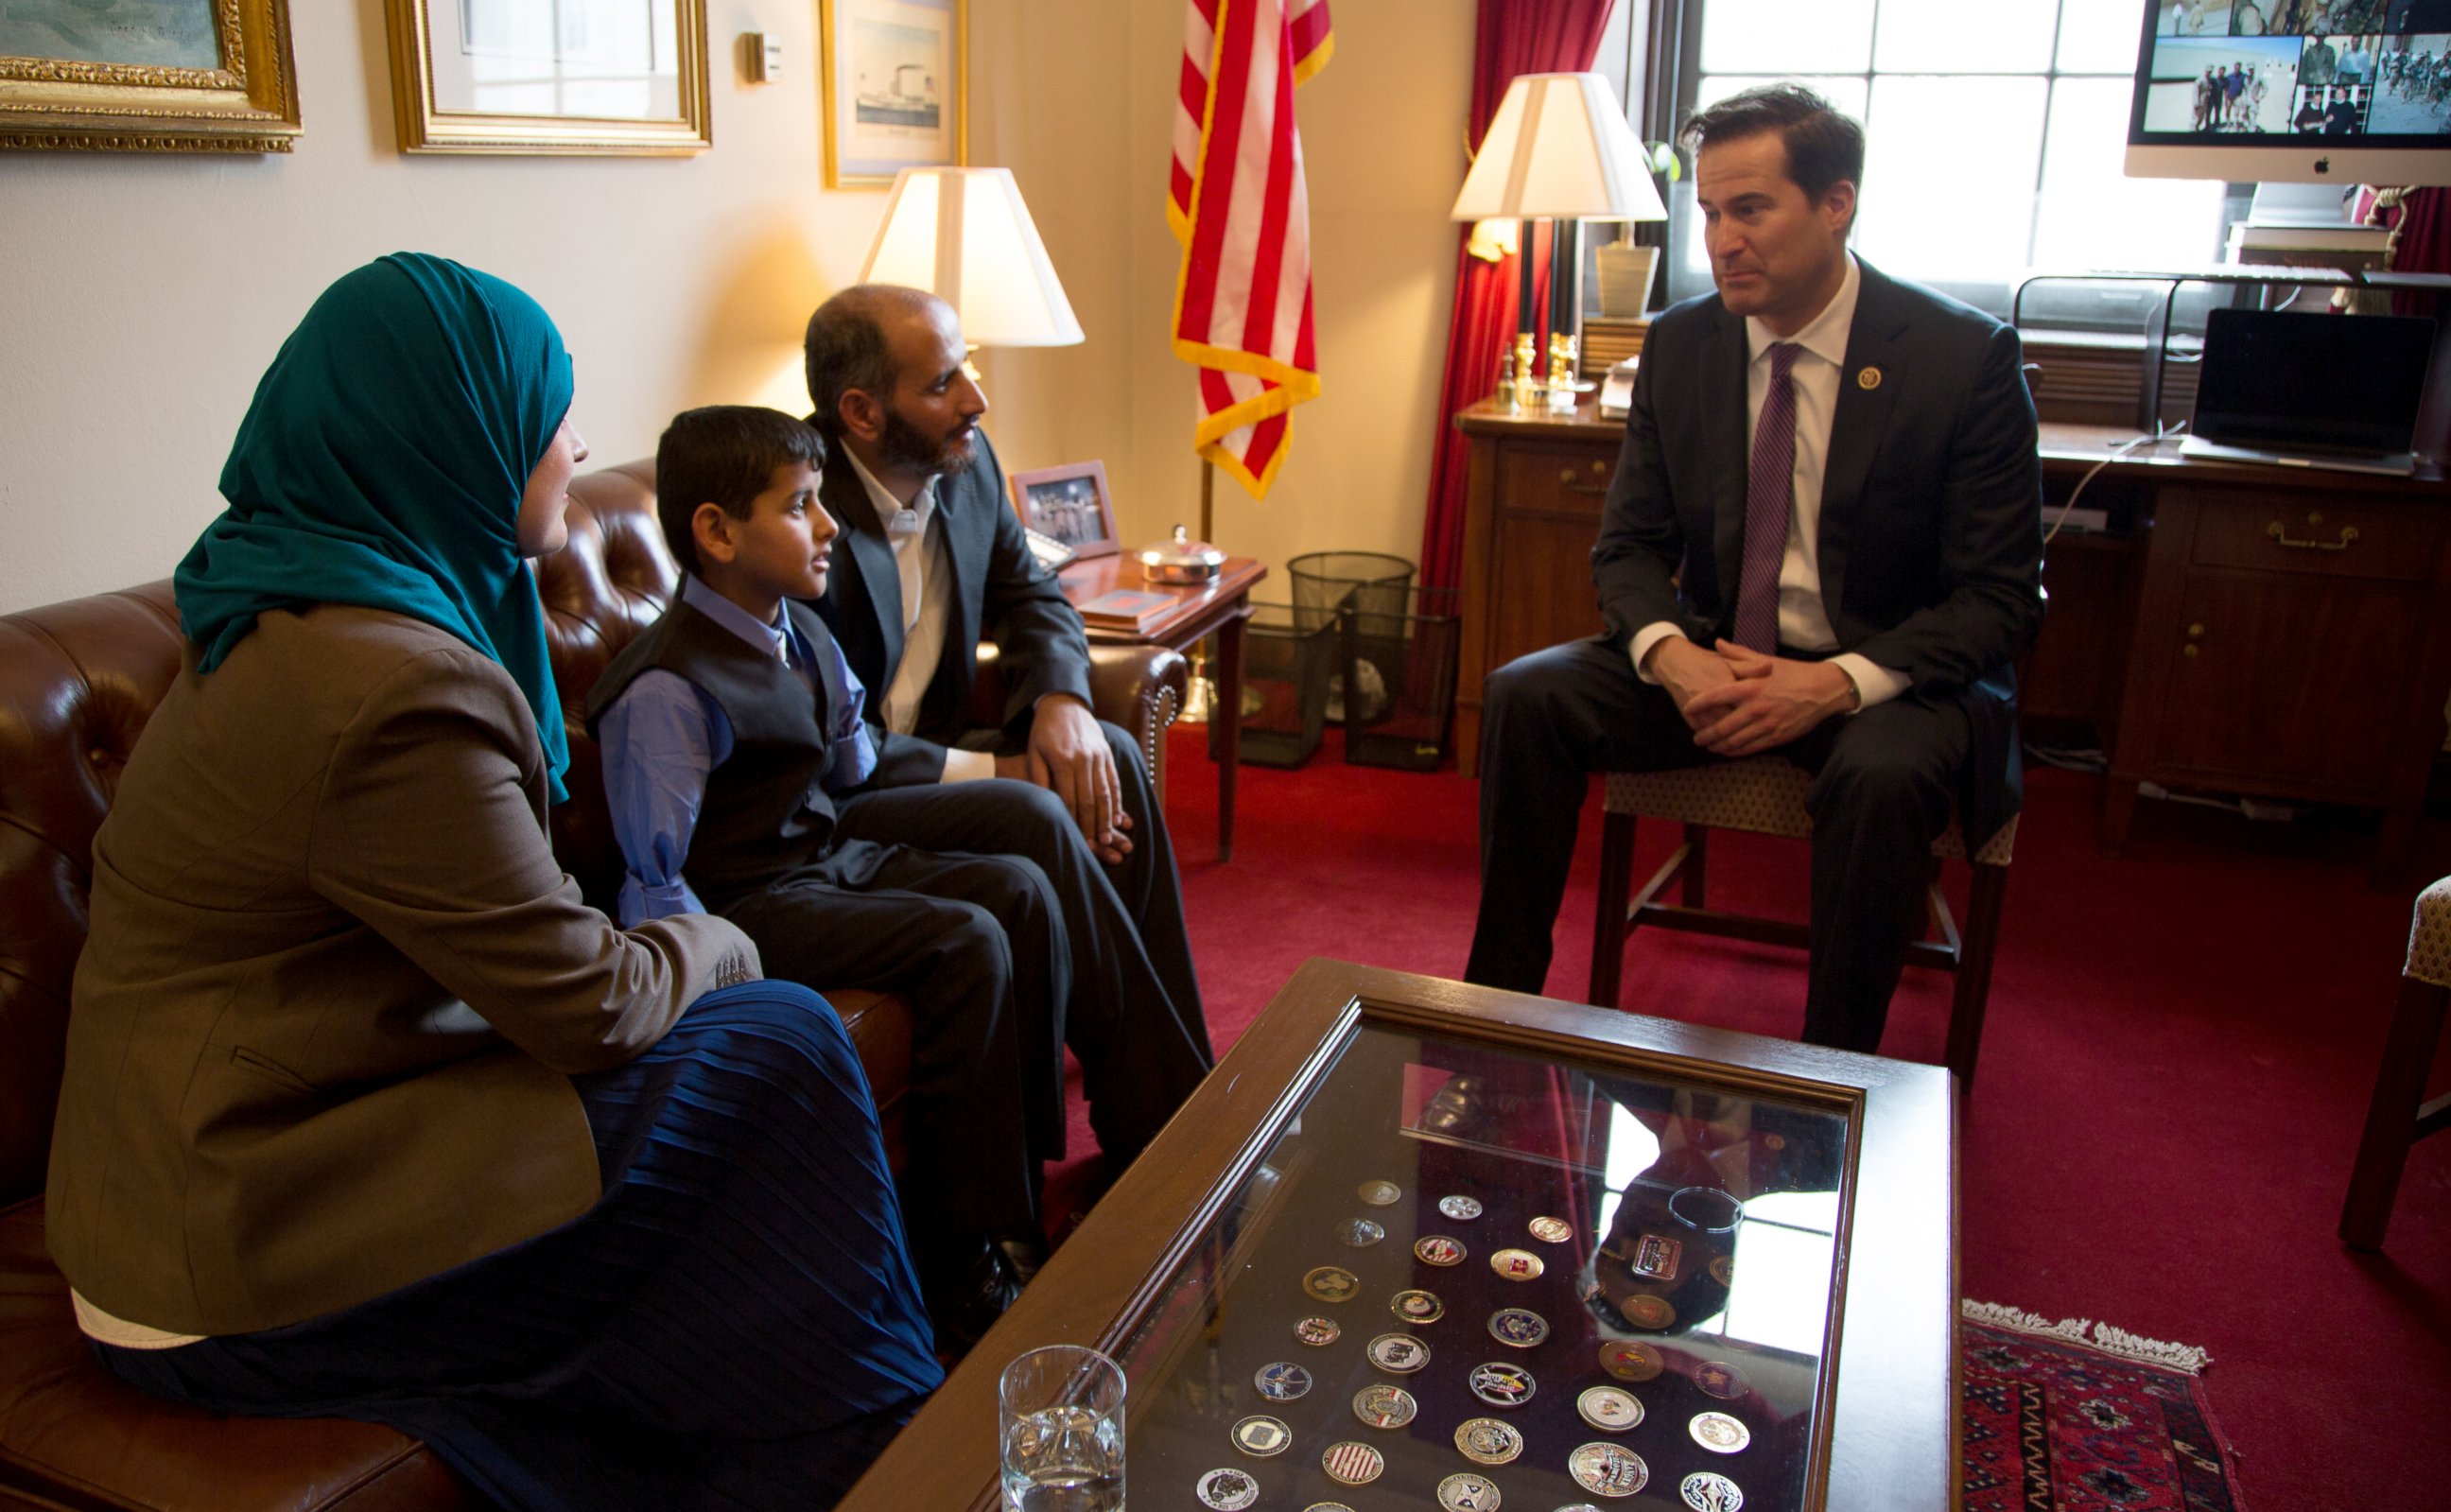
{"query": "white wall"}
{"type": "Point", "coordinates": [142, 296]}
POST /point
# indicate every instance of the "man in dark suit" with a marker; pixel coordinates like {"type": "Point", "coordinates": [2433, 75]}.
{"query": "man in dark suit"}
{"type": "Point", "coordinates": [930, 558]}
{"type": "Point", "coordinates": [1823, 539]}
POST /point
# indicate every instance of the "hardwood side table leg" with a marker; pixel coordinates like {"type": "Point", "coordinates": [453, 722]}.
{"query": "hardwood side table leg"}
{"type": "Point", "coordinates": [1227, 717]}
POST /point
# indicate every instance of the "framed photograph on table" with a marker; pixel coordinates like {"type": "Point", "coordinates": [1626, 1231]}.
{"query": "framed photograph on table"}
{"type": "Point", "coordinates": [616, 77]}
{"type": "Point", "coordinates": [147, 76]}
{"type": "Point", "coordinates": [896, 88]}
{"type": "Point", "coordinates": [1069, 504]}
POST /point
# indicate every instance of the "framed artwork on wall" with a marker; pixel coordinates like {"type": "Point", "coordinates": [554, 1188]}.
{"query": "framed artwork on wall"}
{"type": "Point", "coordinates": [147, 76]}
{"type": "Point", "coordinates": [576, 77]}
{"type": "Point", "coordinates": [897, 82]}
{"type": "Point", "coordinates": [1071, 506]}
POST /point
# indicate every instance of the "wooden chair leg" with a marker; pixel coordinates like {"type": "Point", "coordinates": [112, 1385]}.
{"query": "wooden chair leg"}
{"type": "Point", "coordinates": [1973, 988]}
{"type": "Point", "coordinates": [2392, 1116]}
{"type": "Point", "coordinates": [1608, 923]}
{"type": "Point", "coordinates": [1698, 864]}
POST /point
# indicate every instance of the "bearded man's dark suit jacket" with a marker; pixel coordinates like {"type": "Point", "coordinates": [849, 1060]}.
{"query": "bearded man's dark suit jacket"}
{"type": "Point", "coordinates": [1143, 954]}
{"type": "Point", "coordinates": [1930, 555]}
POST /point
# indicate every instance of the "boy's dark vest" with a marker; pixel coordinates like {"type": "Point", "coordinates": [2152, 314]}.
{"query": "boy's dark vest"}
{"type": "Point", "coordinates": [766, 811]}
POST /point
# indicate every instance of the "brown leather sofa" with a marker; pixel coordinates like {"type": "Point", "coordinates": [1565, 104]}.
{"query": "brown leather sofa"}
{"type": "Point", "coordinates": [77, 682]}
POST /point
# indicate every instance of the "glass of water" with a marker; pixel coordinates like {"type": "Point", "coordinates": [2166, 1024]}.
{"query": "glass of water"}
{"type": "Point", "coordinates": [1062, 1413]}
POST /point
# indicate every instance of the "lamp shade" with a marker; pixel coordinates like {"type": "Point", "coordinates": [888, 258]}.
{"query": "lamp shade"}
{"type": "Point", "coordinates": [1559, 147]}
{"type": "Point", "coordinates": [964, 235]}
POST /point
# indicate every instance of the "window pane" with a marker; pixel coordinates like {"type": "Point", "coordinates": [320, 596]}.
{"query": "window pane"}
{"type": "Point", "coordinates": [2093, 215]}
{"type": "Point", "coordinates": [1949, 175]}
{"type": "Point", "coordinates": [1846, 91]}
{"type": "Point", "coordinates": [1768, 36]}
{"type": "Point", "coordinates": [2099, 37]}
{"type": "Point", "coordinates": [1954, 36]}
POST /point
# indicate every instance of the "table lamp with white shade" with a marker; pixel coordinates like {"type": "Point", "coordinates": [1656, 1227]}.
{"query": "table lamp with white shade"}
{"type": "Point", "coordinates": [965, 236]}
{"type": "Point", "coordinates": [1558, 148]}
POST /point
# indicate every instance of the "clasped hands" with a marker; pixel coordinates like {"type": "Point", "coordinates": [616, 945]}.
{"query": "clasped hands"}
{"type": "Point", "coordinates": [1740, 702]}
{"type": "Point", "coordinates": [1068, 755]}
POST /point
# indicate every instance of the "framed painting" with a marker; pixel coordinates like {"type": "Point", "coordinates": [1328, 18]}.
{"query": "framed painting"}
{"type": "Point", "coordinates": [1071, 506]}
{"type": "Point", "coordinates": [147, 76]}
{"type": "Point", "coordinates": [616, 77]}
{"type": "Point", "coordinates": [896, 88]}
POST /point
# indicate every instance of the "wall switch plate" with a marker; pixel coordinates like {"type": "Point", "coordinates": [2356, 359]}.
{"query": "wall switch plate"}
{"type": "Point", "coordinates": [761, 57]}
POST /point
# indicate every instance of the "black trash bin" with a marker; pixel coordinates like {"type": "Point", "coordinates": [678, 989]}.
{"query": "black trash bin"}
{"type": "Point", "coordinates": [1288, 660]}
{"type": "Point", "coordinates": [1398, 681]}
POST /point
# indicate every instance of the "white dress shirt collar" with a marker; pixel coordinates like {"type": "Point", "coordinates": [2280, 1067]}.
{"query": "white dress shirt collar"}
{"type": "Point", "coordinates": [890, 510]}
{"type": "Point", "coordinates": [1826, 335]}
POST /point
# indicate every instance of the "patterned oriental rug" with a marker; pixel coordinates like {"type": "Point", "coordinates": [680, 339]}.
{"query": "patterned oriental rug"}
{"type": "Point", "coordinates": [2081, 1416]}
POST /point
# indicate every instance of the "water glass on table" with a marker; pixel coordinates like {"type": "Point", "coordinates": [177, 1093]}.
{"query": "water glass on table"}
{"type": "Point", "coordinates": [1062, 1415]}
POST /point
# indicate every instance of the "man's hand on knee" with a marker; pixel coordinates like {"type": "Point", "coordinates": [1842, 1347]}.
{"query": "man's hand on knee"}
{"type": "Point", "coordinates": [1068, 755]}
{"type": "Point", "coordinates": [1766, 701]}
{"type": "Point", "coordinates": [1686, 671]}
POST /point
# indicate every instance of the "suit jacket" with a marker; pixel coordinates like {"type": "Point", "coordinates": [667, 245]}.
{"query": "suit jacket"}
{"type": "Point", "coordinates": [1930, 529]}
{"type": "Point", "coordinates": [336, 986]}
{"type": "Point", "coordinates": [999, 591]}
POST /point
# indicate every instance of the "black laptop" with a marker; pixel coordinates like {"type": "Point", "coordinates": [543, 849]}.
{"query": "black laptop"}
{"type": "Point", "coordinates": [2337, 391]}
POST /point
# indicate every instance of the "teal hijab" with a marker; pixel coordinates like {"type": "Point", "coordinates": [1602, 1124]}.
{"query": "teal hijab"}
{"type": "Point", "coordinates": [382, 464]}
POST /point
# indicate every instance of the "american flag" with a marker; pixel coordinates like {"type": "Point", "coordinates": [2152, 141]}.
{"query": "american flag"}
{"type": "Point", "coordinates": [1237, 204]}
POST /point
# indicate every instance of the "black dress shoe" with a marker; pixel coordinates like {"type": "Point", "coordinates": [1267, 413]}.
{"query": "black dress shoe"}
{"type": "Point", "coordinates": [966, 1305]}
{"type": "Point", "coordinates": [1023, 1254]}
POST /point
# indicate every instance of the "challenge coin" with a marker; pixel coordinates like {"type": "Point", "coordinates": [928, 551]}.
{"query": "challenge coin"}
{"type": "Point", "coordinates": [1282, 1382]}
{"type": "Point", "coordinates": [1463, 1208]}
{"type": "Point", "coordinates": [1723, 1269]}
{"type": "Point", "coordinates": [1317, 1332]}
{"type": "Point", "coordinates": [1486, 1441]}
{"type": "Point", "coordinates": [1646, 1311]}
{"type": "Point", "coordinates": [1398, 1353]}
{"type": "Point", "coordinates": [1438, 1249]}
{"type": "Point", "coordinates": [1709, 1491]}
{"type": "Point", "coordinates": [1610, 1409]}
{"type": "Point", "coordinates": [1416, 1305]}
{"type": "Point", "coordinates": [1332, 1283]}
{"type": "Point", "coordinates": [1468, 1493]}
{"type": "Point", "coordinates": [1261, 1437]}
{"type": "Point", "coordinates": [1327, 1506]}
{"type": "Point", "coordinates": [1517, 1265]}
{"type": "Point", "coordinates": [1385, 1406]}
{"type": "Point", "coordinates": [1579, 1506]}
{"type": "Point", "coordinates": [1608, 1469]}
{"type": "Point", "coordinates": [1351, 1464]}
{"type": "Point", "coordinates": [1630, 1361]}
{"type": "Point", "coordinates": [1718, 1432]}
{"type": "Point", "coordinates": [1360, 1232]}
{"type": "Point", "coordinates": [1654, 1257]}
{"type": "Point", "coordinates": [1502, 1384]}
{"type": "Point", "coordinates": [1519, 1327]}
{"type": "Point", "coordinates": [1551, 1231]}
{"type": "Point", "coordinates": [1227, 1490]}
{"type": "Point", "coordinates": [1719, 1379]}
{"type": "Point", "coordinates": [1380, 1193]}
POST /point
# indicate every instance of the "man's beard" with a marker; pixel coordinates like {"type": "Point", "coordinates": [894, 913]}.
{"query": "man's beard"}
{"type": "Point", "coordinates": [905, 445]}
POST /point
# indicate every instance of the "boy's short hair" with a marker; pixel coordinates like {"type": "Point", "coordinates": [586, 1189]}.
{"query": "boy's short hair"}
{"type": "Point", "coordinates": [724, 454]}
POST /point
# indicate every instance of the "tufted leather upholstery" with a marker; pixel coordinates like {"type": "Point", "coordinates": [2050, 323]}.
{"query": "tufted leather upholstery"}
{"type": "Point", "coordinates": [77, 682]}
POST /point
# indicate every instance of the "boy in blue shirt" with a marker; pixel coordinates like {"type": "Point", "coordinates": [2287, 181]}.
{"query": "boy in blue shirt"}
{"type": "Point", "coordinates": [734, 736]}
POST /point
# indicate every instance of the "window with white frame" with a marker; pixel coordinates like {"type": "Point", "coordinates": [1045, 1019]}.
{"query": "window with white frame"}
{"type": "Point", "coordinates": [1994, 133]}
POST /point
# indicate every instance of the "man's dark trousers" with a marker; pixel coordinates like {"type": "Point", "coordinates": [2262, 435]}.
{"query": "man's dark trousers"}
{"type": "Point", "coordinates": [1881, 792]}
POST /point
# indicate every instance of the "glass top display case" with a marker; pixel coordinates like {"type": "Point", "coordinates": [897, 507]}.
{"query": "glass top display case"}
{"type": "Point", "coordinates": [1420, 1245]}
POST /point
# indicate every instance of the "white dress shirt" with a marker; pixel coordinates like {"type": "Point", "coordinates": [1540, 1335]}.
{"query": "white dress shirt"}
{"type": "Point", "coordinates": [1803, 619]}
{"type": "Point", "coordinates": [926, 572]}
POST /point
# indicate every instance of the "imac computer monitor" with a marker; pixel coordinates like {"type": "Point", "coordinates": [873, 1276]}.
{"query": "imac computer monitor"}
{"type": "Point", "coordinates": [2283, 91]}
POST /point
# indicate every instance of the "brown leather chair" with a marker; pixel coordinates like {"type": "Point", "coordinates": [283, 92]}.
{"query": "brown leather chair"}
{"type": "Point", "coordinates": [77, 682]}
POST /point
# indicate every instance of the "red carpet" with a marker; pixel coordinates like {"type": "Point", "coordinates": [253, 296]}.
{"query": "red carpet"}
{"type": "Point", "coordinates": [2174, 1072]}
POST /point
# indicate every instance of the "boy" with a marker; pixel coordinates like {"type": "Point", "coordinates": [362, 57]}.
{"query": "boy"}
{"type": "Point", "coordinates": [733, 738]}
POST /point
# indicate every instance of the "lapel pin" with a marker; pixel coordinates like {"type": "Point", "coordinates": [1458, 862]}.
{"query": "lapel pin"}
{"type": "Point", "coordinates": [1868, 378]}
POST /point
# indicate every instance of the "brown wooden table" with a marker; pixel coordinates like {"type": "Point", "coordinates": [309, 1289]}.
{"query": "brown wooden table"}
{"type": "Point", "coordinates": [1216, 608]}
{"type": "Point", "coordinates": [1183, 1272]}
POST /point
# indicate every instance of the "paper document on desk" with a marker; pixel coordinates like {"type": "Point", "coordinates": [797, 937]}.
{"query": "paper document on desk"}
{"type": "Point", "coordinates": [1616, 390]}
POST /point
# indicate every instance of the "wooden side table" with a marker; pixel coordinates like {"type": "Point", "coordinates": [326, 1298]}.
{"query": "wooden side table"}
{"type": "Point", "coordinates": [1220, 608]}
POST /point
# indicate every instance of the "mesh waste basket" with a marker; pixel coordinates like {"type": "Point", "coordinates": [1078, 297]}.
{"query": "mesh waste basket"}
{"type": "Point", "coordinates": [1396, 688]}
{"type": "Point", "coordinates": [1289, 659]}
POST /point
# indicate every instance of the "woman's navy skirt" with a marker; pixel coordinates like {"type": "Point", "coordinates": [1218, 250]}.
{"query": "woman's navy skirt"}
{"type": "Point", "coordinates": [736, 1324]}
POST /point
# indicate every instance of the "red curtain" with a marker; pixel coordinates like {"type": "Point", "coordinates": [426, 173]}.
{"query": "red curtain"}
{"type": "Point", "coordinates": [1512, 37]}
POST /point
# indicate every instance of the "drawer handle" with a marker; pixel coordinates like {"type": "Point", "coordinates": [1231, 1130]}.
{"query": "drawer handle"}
{"type": "Point", "coordinates": [2348, 533]}
{"type": "Point", "coordinates": [1566, 480]}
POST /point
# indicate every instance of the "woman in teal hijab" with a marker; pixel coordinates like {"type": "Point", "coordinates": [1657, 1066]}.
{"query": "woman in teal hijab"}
{"type": "Point", "coordinates": [365, 1114]}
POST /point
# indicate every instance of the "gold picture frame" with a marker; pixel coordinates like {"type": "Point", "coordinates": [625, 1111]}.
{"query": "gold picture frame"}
{"type": "Point", "coordinates": [195, 76]}
{"type": "Point", "coordinates": [612, 78]}
{"type": "Point", "coordinates": [914, 55]}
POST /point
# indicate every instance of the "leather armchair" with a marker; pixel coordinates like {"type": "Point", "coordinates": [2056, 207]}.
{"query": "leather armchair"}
{"type": "Point", "coordinates": [77, 682]}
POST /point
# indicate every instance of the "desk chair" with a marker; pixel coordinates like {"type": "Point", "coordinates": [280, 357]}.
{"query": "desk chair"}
{"type": "Point", "coordinates": [1765, 795]}
{"type": "Point", "coordinates": [2398, 1116]}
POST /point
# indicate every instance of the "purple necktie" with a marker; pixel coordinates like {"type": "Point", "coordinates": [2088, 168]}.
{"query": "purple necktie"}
{"type": "Point", "coordinates": [1770, 500]}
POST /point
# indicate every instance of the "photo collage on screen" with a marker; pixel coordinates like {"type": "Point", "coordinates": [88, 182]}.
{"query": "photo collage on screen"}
{"type": "Point", "coordinates": [2304, 67]}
